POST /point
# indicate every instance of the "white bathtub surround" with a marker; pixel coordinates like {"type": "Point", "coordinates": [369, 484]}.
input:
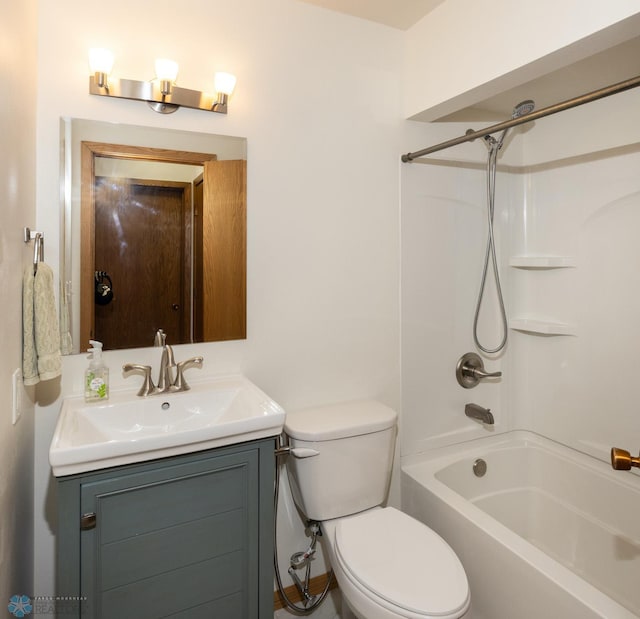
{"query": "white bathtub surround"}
{"type": "Point", "coordinates": [546, 532]}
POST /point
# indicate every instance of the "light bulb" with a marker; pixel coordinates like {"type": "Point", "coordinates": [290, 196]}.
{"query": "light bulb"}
{"type": "Point", "coordinates": [166, 70]}
{"type": "Point", "coordinates": [224, 83]}
{"type": "Point", "coordinates": [100, 63]}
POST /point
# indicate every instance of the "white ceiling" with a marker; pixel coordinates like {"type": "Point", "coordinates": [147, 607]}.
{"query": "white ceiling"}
{"type": "Point", "coordinates": [400, 14]}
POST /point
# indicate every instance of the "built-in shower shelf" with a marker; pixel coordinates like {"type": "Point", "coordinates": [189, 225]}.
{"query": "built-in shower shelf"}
{"type": "Point", "coordinates": [542, 262]}
{"type": "Point", "coordinates": [541, 327]}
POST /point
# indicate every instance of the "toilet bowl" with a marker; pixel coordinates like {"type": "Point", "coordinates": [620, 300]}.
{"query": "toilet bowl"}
{"type": "Point", "coordinates": [390, 566]}
{"type": "Point", "coordinates": [387, 564]}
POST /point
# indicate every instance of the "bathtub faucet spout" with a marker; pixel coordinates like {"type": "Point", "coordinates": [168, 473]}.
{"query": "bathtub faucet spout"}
{"type": "Point", "coordinates": [478, 412]}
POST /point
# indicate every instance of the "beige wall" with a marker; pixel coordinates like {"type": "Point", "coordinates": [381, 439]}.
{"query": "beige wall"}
{"type": "Point", "coordinates": [17, 209]}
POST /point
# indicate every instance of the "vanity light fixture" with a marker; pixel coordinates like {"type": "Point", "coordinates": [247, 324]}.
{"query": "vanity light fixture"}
{"type": "Point", "coordinates": [162, 94]}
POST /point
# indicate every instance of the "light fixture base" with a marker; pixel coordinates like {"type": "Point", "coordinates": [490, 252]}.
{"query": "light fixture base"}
{"type": "Point", "coordinates": [163, 107]}
{"type": "Point", "coordinates": [151, 93]}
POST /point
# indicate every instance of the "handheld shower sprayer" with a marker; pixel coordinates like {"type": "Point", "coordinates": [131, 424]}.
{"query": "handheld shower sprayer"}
{"type": "Point", "coordinates": [521, 109]}
{"type": "Point", "coordinates": [493, 146]}
{"type": "Point", "coordinates": [524, 107]}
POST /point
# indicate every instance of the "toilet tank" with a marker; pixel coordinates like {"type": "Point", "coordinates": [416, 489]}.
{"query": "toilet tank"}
{"type": "Point", "coordinates": [341, 457]}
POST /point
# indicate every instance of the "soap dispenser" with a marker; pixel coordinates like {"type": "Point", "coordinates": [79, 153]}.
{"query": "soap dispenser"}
{"type": "Point", "coordinates": [96, 376]}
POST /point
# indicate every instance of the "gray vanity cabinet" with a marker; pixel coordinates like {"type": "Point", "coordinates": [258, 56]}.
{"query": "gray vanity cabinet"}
{"type": "Point", "coordinates": [183, 537]}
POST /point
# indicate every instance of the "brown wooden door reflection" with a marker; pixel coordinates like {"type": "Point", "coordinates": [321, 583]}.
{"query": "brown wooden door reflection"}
{"type": "Point", "coordinates": [142, 231]}
{"type": "Point", "coordinates": [224, 217]}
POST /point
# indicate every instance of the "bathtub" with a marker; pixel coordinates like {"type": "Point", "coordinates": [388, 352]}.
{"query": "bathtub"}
{"type": "Point", "coordinates": [546, 533]}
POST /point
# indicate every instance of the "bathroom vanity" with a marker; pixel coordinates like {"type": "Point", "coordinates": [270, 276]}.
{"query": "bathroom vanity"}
{"type": "Point", "coordinates": [185, 536]}
{"type": "Point", "coordinates": [165, 503]}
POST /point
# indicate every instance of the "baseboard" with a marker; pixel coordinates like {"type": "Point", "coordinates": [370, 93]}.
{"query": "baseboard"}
{"type": "Point", "coordinates": [316, 586]}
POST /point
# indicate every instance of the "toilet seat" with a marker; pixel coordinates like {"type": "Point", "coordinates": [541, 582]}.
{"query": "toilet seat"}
{"type": "Point", "coordinates": [402, 564]}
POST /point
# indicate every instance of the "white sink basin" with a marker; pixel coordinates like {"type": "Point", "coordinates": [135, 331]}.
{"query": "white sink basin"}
{"type": "Point", "coordinates": [129, 428]}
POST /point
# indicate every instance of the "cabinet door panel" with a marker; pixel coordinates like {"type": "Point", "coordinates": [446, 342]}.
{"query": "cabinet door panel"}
{"type": "Point", "coordinates": [172, 539]}
{"type": "Point", "coordinates": [163, 503]}
{"type": "Point", "coordinates": [176, 590]}
{"type": "Point", "coordinates": [148, 555]}
{"type": "Point", "coordinates": [229, 607]}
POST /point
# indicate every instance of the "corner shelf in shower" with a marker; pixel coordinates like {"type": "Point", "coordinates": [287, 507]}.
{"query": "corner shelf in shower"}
{"type": "Point", "coordinates": [542, 262]}
{"type": "Point", "coordinates": [541, 327]}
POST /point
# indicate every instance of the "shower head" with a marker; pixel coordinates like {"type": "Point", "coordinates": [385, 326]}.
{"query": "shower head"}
{"type": "Point", "coordinates": [523, 108]}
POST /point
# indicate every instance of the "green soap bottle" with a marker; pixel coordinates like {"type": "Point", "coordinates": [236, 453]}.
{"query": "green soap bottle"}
{"type": "Point", "coordinates": [96, 376]}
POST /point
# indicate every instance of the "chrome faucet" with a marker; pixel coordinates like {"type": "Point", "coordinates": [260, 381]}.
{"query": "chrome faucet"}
{"type": "Point", "coordinates": [478, 412]}
{"type": "Point", "coordinates": [167, 362]}
{"type": "Point", "coordinates": [167, 383]}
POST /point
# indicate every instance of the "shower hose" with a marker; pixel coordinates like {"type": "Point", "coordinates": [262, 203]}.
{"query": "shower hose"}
{"type": "Point", "coordinates": [491, 253]}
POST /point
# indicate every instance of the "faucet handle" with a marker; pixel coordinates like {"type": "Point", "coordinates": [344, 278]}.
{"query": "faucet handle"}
{"type": "Point", "coordinates": [470, 370]}
{"type": "Point", "coordinates": [135, 368]}
{"type": "Point", "coordinates": [180, 383]}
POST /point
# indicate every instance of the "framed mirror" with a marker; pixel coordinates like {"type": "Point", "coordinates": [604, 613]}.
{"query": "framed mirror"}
{"type": "Point", "coordinates": [154, 236]}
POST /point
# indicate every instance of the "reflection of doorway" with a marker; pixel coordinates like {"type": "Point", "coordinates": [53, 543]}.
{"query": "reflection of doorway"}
{"type": "Point", "coordinates": [142, 241]}
{"type": "Point", "coordinates": [208, 252]}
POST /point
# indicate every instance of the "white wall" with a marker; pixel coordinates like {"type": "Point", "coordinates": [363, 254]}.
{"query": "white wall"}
{"type": "Point", "coordinates": [464, 51]}
{"type": "Point", "coordinates": [18, 31]}
{"type": "Point", "coordinates": [318, 100]}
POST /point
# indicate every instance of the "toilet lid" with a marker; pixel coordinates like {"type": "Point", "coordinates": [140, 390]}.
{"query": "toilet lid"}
{"type": "Point", "coordinates": [403, 562]}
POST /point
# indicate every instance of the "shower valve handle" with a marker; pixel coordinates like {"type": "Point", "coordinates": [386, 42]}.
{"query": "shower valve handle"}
{"type": "Point", "coordinates": [480, 373]}
{"type": "Point", "coordinates": [470, 370]}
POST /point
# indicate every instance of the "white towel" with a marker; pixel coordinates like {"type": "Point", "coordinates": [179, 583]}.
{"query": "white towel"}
{"type": "Point", "coordinates": [41, 336]}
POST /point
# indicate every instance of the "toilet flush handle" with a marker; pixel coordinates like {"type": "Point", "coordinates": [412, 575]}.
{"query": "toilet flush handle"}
{"type": "Point", "coordinates": [303, 452]}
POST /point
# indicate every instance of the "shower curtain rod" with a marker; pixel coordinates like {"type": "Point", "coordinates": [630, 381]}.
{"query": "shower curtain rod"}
{"type": "Point", "coordinates": [471, 135]}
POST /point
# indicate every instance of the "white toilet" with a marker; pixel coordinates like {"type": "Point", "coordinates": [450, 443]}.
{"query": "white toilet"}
{"type": "Point", "coordinates": [387, 564]}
